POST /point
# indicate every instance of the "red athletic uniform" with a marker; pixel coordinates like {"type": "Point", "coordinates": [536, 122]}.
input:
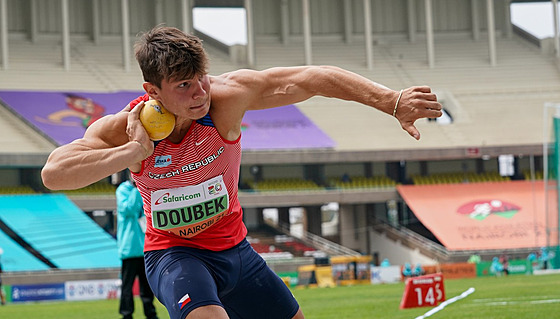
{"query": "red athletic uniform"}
{"type": "Point", "coordinates": [190, 190]}
{"type": "Point", "coordinates": [195, 249]}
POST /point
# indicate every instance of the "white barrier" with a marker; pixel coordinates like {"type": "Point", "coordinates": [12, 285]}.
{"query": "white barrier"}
{"type": "Point", "coordinates": [383, 275]}
{"type": "Point", "coordinates": [92, 289]}
{"type": "Point", "coordinates": [546, 271]}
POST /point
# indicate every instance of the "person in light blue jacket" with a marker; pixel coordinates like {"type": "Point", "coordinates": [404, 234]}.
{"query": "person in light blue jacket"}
{"type": "Point", "coordinates": [496, 267]}
{"type": "Point", "coordinates": [544, 257]}
{"type": "Point", "coordinates": [130, 241]}
{"type": "Point", "coordinates": [407, 270]}
{"type": "Point", "coordinates": [385, 263]}
{"type": "Point", "coordinates": [418, 270]}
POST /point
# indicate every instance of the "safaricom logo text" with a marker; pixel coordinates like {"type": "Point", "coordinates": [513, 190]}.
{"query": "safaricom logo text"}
{"type": "Point", "coordinates": [168, 198]}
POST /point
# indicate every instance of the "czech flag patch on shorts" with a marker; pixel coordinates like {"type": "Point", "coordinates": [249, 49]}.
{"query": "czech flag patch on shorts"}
{"type": "Point", "coordinates": [185, 300]}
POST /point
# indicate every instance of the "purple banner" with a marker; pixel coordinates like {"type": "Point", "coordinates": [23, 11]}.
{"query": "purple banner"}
{"type": "Point", "coordinates": [281, 128]}
{"type": "Point", "coordinates": [64, 117]}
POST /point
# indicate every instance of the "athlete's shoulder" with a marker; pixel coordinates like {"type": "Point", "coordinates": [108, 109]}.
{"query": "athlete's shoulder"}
{"type": "Point", "coordinates": [237, 77]}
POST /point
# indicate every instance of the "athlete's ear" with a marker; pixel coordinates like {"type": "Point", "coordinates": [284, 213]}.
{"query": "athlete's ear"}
{"type": "Point", "coordinates": [152, 90]}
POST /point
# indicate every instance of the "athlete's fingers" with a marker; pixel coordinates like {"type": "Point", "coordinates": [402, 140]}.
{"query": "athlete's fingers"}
{"type": "Point", "coordinates": [423, 89]}
{"type": "Point", "coordinates": [430, 97]}
{"type": "Point", "coordinates": [411, 130]}
{"type": "Point", "coordinates": [435, 113]}
{"type": "Point", "coordinates": [126, 108]}
{"type": "Point", "coordinates": [134, 127]}
{"type": "Point", "coordinates": [136, 131]}
{"type": "Point", "coordinates": [136, 110]}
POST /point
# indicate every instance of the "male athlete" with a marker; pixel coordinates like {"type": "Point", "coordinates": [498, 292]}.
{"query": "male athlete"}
{"type": "Point", "coordinates": [198, 262]}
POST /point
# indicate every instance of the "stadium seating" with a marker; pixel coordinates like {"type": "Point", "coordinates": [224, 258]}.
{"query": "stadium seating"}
{"type": "Point", "coordinates": [271, 245]}
{"type": "Point", "coordinates": [263, 244]}
{"type": "Point", "coordinates": [457, 178]}
{"type": "Point", "coordinates": [60, 231]}
{"type": "Point", "coordinates": [22, 189]}
{"type": "Point", "coordinates": [362, 182]}
{"type": "Point", "coordinates": [296, 184]}
{"type": "Point", "coordinates": [300, 248]}
{"type": "Point", "coordinates": [93, 189]}
{"type": "Point", "coordinates": [538, 175]}
{"type": "Point", "coordinates": [16, 258]}
{"type": "Point", "coordinates": [283, 184]}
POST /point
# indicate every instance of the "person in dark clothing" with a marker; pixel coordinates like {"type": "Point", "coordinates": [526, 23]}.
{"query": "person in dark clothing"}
{"type": "Point", "coordinates": [130, 241]}
{"type": "Point", "coordinates": [2, 294]}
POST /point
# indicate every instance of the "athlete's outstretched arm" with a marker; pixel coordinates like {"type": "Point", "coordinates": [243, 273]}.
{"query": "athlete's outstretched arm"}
{"type": "Point", "coordinates": [111, 144]}
{"type": "Point", "coordinates": [286, 85]}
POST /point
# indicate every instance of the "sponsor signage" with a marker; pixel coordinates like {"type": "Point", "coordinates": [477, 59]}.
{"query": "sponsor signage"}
{"type": "Point", "coordinates": [93, 289]}
{"type": "Point", "coordinates": [21, 293]}
{"type": "Point", "coordinates": [515, 267]}
{"type": "Point", "coordinates": [485, 216]}
{"type": "Point", "coordinates": [453, 270]}
{"type": "Point", "coordinates": [383, 275]}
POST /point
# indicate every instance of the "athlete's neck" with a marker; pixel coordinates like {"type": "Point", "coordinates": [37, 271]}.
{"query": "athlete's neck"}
{"type": "Point", "coordinates": [181, 128]}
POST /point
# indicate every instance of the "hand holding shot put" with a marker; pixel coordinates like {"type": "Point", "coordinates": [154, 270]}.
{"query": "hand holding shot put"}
{"type": "Point", "coordinates": [149, 121]}
{"type": "Point", "coordinates": [157, 120]}
{"type": "Point", "coordinates": [137, 132]}
{"type": "Point", "coordinates": [201, 158]}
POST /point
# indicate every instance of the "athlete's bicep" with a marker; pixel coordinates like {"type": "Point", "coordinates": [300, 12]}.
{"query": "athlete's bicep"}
{"type": "Point", "coordinates": [255, 90]}
{"type": "Point", "coordinates": [109, 131]}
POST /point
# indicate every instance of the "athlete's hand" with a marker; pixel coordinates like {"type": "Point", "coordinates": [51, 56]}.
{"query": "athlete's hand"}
{"type": "Point", "coordinates": [416, 102]}
{"type": "Point", "coordinates": [127, 108]}
{"type": "Point", "coordinates": [135, 130]}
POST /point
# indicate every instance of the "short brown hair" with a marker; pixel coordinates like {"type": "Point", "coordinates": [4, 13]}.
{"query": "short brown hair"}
{"type": "Point", "coordinates": [169, 53]}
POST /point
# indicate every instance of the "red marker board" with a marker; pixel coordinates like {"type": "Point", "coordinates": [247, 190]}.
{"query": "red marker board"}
{"type": "Point", "coordinates": [423, 291]}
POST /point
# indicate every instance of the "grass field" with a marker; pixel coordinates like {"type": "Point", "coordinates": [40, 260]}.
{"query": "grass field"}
{"type": "Point", "coordinates": [504, 297]}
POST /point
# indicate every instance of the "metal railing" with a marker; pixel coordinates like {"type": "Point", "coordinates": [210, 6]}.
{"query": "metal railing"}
{"type": "Point", "coordinates": [413, 240]}
{"type": "Point", "coordinates": [438, 252]}
{"type": "Point", "coordinates": [322, 244]}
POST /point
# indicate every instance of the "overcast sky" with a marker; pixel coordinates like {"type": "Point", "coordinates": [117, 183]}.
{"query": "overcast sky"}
{"type": "Point", "coordinates": [232, 26]}
{"type": "Point", "coordinates": [535, 18]}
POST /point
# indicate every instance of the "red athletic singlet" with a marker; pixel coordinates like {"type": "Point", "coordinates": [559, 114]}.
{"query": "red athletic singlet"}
{"type": "Point", "coordinates": [190, 191]}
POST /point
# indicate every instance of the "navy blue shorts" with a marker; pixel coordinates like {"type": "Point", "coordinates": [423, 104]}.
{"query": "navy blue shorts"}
{"type": "Point", "coordinates": [236, 279]}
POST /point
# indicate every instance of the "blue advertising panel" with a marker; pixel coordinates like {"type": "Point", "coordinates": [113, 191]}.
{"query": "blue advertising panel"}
{"type": "Point", "coordinates": [21, 293]}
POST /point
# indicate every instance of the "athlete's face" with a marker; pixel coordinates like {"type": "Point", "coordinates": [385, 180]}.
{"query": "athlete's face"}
{"type": "Point", "coordinates": [186, 98]}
